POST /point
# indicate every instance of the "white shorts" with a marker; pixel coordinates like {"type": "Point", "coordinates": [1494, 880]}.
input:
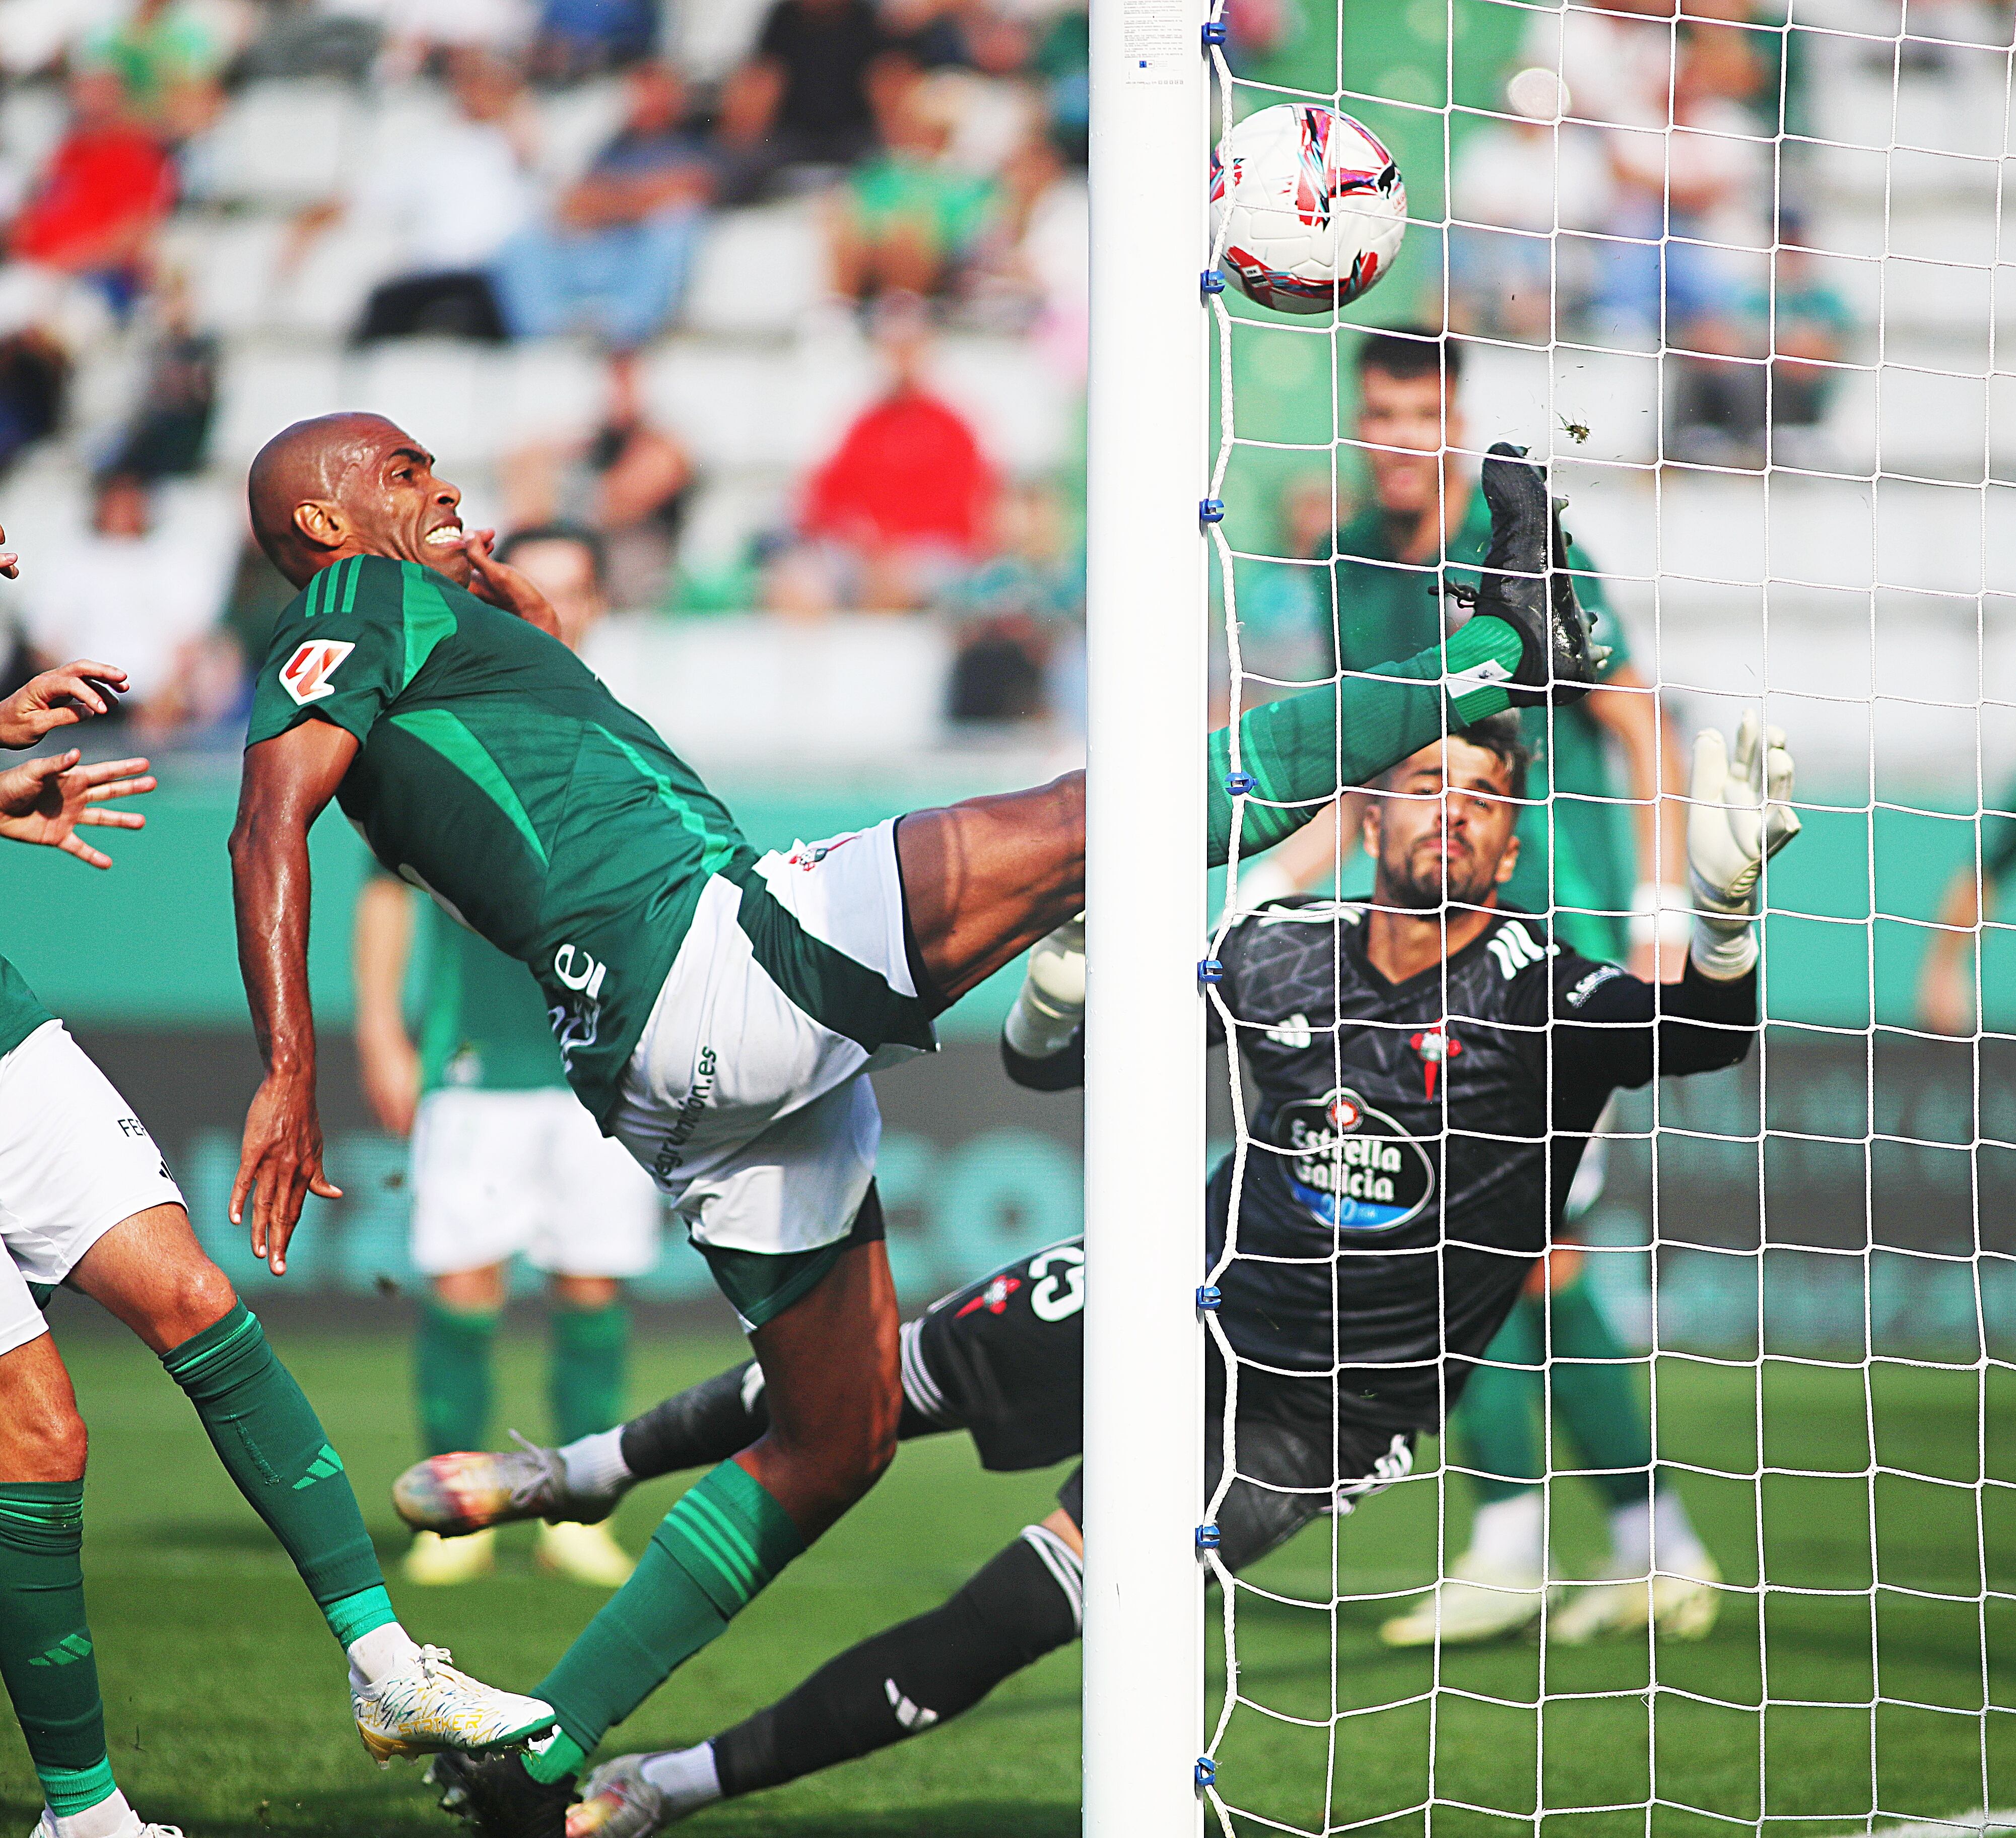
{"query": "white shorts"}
{"type": "Point", "coordinates": [74, 1161]}
{"type": "Point", "coordinates": [497, 1172]}
{"type": "Point", "coordinates": [744, 1096]}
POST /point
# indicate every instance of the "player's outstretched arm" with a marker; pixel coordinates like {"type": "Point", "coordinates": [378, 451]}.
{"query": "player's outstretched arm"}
{"type": "Point", "coordinates": [288, 780]}
{"type": "Point", "coordinates": [46, 801]}
{"type": "Point", "coordinates": [57, 698]}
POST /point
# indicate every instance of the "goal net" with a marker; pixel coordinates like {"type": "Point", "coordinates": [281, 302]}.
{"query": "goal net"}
{"type": "Point", "coordinates": [1734, 269]}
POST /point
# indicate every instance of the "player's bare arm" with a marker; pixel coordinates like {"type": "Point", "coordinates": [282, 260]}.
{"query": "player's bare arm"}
{"type": "Point", "coordinates": [46, 801]}
{"type": "Point", "coordinates": [288, 780]}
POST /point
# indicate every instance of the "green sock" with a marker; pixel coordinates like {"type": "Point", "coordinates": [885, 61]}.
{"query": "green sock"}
{"type": "Point", "coordinates": [272, 1443]}
{"type": "Point", "coordinates": [718, 1548]}
{"type": "Point", "coordinates": [1494, 1427]}
{"type": "Point", "coordinates": [45, 1656]}
{"type": "Point", "coordinates": [452, 1377]}
{"type": "Point", "coordinates": [1300, 752]}
{"type": "Point", "coordinates": [1599, 1406]}
{"type": "Point", "coordinates": [591, 1360]}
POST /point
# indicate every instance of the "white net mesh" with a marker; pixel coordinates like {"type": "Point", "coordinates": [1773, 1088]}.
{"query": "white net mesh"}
{"type": "Point", "coordinates": [1738, 276]}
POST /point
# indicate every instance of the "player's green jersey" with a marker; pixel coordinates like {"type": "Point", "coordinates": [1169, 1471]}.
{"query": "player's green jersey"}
{"type": "Point", "coordinates": [21, 1013]}
{"type": "Point", "coordinates": [1387, 609]}
{"type": "Point", "coordinates": [484, 1025]}
{"type": "Point", "coordinates": [497, 772]}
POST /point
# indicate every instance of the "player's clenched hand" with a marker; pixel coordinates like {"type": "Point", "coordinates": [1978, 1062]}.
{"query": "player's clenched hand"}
{"type": "Point", "coordinates": [279, 1165]}
{"type": "Point", "coordinates": [58, 698]}
{"type": "Point", "coordinates": [45, 801]}
{"type": "Point", "coordinates": [503, 585]}
{"type": "Point", "coordinates": [1740, 814]}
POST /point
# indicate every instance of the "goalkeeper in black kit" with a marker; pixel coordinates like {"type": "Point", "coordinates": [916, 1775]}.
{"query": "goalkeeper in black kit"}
{"type": "Point", "coordinates": [1407, 1164]}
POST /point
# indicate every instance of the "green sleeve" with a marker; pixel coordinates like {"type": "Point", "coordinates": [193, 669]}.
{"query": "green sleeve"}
{"type": "Point", "coordinates": [346, 645]}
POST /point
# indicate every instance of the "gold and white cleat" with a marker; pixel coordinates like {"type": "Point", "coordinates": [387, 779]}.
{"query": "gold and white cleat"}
{"type": "Point", "coordinates": [1681, 1607]}
{"type": "Point", "coordinates": [429, 1706]}
{"type": "Point", "coordinates": [1476, 1602]}
{"type": "Point", "coordinates": [436, 1563]}
{"type": "Point", "coordinates": [583, 1554]}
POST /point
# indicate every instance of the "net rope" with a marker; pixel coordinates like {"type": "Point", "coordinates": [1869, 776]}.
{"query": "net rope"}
{"type": "Point", "coordinates": [1810, 1259]}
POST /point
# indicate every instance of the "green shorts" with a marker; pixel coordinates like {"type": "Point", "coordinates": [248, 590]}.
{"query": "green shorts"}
{"type": "Point", "coordinates": [760, 1285]}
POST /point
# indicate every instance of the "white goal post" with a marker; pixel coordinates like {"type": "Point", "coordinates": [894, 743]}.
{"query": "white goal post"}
{"type": "Point", "coordinates": [1144, 1106]}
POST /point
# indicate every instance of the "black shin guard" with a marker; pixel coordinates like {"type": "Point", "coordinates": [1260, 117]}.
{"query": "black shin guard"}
{"type": "Point", "coordinates": [707, 1423]}
{"type": "Point", "coordinates": [1026, 1602]}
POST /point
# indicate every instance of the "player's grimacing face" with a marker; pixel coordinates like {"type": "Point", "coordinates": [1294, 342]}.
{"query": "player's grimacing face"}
{"type": "Point", "coordinates": [398, 507]}
{"type": "Point", "coordinates": [1440, 828]}
{"type": "Point", "coordinates": [1401, 421]}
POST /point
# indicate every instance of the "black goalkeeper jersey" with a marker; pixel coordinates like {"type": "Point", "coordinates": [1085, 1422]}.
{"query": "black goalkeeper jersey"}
{"type": "Point", "coordinates": [1412, 1143]}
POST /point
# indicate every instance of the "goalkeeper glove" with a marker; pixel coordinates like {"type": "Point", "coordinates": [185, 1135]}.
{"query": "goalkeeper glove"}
{"type": "Point", "coordinates": [1051, 1006]}
{"type": "Point", "coordinates": [1739, 815]}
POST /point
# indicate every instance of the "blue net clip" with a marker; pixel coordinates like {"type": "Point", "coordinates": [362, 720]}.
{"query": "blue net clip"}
{"type": "Point", "coordinates": [1207, 1772]}
{"type": "Point", "coordinates": [1237, 784]}
{"type": "Point", "coordinates": [1210, 281]}
{"type": "Point", "coordinates": [1209, 1296]}
{"type": "Point", "coordinates": [1210, 970]}
{"type": "Point", "coordinates": [1214, 33]}
{"type": "Point", "coordinates": [1207, 1537]}
{"type": "Point", "coordinates": [1212, 511]}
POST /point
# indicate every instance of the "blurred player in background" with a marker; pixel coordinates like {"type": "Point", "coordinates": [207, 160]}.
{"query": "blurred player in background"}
{"type": "Point", "coordinates": [505, 1160]}
{"type": "Point", "coordinates": [87, 1201]}
{"type": "Point", "coordinates": [1945, 992]}
{"type": "Point", "coordinates": [1611, 884]}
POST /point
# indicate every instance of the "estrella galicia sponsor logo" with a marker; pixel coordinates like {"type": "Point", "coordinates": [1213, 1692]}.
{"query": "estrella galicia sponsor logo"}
{"type": "Point", "coordinates": [671, 1152]}
{"type": "Point", "coordinates": [1352, 1166]}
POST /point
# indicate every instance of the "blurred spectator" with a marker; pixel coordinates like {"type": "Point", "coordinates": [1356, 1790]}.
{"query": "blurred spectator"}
{"type": "Point", "coordinates": [1528, 176]}
{"type": "Point", "coordinates": [566, 559]}
{"type": "Point", "coordinates": [168, 56]}
{"type": "Point", "coordinates": [34, 383]}
{"type": "Point", "coordinates": [1010, 613]}
{"type": "Point", "coordinates": [1064, 59]}
{"type": "Point", "coordinates": [147, 595]}
{"type": "Point", "coordinates": [416, 32]}
{"type": "Point", "coordinates": [907, 217]}
{"type": "Point", "coordinates": [628, 481]}
{"type": "Point", "coordinates": [802, 98]}
{"type": "Point", "coordinates": [615, 256]}
{"type": "Point", "coordinates": [1720, 409]}
{"type": "Point", "coordinates": [578, 38]}
{"type": "Point", "coordinates": [171, 425]}
{"type": "Point", "coordinates": [958, 34]}
{"type": "Point", "coordinates": [95, 208]}
{"type": "Point", "coordinates": [454, 191]}
{"type": "Point", "coordinates": [904, 504]}
{"type": "Point", "coordinates": [1688, 202]}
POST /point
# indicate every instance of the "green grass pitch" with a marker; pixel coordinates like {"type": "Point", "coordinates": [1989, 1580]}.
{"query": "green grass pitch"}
{"type": "Point", "coordinates": [227, 1715]}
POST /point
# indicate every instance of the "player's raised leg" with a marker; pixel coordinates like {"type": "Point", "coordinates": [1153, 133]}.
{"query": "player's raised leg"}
{"type": "Point", "coordinates": [985, 879]}
{"type": "Point", "coordinates": [149, 1271]}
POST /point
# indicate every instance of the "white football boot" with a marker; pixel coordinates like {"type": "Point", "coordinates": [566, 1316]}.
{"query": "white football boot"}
{"type": "Point", "coordinates": [617, 1801]}
{"type": "Point", "coordinates": [1478, 1601]}
{"type": "Point", "coordinates": [428, 1706]}
{"type": "Point", "coordinates": [1681, 1607]}
{"type": "Point", "coordinates": [45, 1827]}
{"type": "Point", "coordinates": [583, 1554]}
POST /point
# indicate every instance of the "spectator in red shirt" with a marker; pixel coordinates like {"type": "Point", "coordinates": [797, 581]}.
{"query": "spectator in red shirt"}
{"type": "Point", "coordinates": [109, 183]}
{"type": "Point", "coordinates": [907, 499]}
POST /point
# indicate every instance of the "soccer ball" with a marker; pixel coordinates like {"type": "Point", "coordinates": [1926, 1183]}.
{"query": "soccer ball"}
{"type": "Point", "coordinates": [1309, 207]}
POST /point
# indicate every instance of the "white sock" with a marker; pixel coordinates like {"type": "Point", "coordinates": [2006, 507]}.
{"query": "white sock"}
{"type": "Point", "coordinates": [1510, 1535]}
{"type": "Point", "coordinates": [686, 1777]}
{"type": "Point", "coordinates": [1660, 1524]}
{"type": "Point", "coordinates": [107, 1819]}
{"type": "Point", "coordinates": [374, 1657]}
{"type": "Point", "coordinates": [595, 1465]}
